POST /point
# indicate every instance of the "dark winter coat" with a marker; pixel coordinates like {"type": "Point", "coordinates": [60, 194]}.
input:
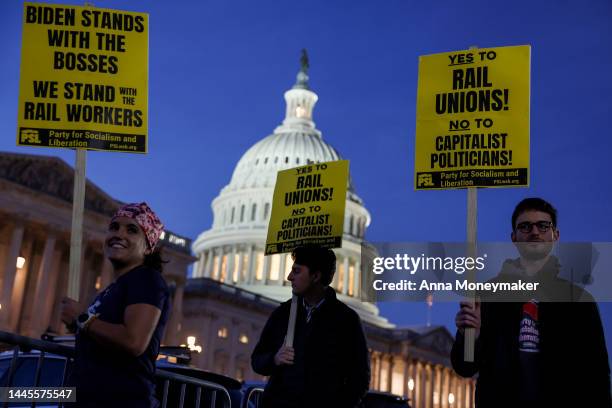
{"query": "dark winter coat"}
{"type": "Point", "coordinates": [573, 370]}
{"type": "Point", "coordinates": [331, 364]}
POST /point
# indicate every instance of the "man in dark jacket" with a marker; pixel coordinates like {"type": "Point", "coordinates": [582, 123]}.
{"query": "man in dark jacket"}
{"type": "Point", "coordinates": [328, 365]}
{"type": "Point", "coordinates": [535, 353]}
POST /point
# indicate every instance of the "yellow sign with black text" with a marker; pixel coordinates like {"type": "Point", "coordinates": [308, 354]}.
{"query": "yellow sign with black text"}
{"type": "Point", "coordinates": [308, 207]}
{"type": "Point", "coordinates": [84, 77]}
{"type": "Point", "coordinates": [472, 122]}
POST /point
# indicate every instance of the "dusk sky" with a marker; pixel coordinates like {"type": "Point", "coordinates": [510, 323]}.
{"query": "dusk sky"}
{"type": "Point", "coordinates": [218, 70]}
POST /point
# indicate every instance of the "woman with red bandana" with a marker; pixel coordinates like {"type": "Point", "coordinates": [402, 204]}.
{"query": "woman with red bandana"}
{"type": "Point", "coordinates": [119, 334]}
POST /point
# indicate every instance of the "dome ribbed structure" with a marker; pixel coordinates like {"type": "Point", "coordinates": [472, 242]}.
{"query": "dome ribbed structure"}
{"type": "Point", "coordinates": [231, 251]}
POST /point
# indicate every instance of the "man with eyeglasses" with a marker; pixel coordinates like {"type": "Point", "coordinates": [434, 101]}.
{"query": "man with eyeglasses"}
{"type": "Point", "coordinates": [534, 353]}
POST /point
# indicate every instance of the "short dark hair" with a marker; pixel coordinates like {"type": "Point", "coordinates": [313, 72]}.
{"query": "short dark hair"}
{"type": "Point", "coordinates": [316, 258]}
{"type": "Point", "coordinates": [534, 204]}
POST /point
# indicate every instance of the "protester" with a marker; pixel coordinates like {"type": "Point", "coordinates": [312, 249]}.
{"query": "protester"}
{"type": "Point", "coordinates": [328, 364]}
{"type": "Point", "coordinates": [119, 334]}
{"type": "Point", "coordinates": [535, 353]}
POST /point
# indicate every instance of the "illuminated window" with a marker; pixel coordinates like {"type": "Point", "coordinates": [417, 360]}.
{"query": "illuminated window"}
{"type": "Point", "coordinates": [397, 381]}
{"type": "Point", "coordinates": [20, 262]}
{"type": "Point", "coordinates": [384, 376]}
{"type": "Point", "coordinates": [411, 384]}
{"type": "Point", "coordinates": [288, 265]}
{"type": "Point", "coordinates": [244, 339]}
{"type": "Point", "coordinates": [300, 112]}
{"type": "Point", "coordinates": [275, 267]}
{"type": "Point", "coordinates": [235, 268]}
{"type": "Point", "coordinates": [222, 333]}
{"type": "Point", "coordinates": [340, 277]}
{"type": "Point", "coordinates": [259, 265]}
{"type": "Point", "coordinates": [215, 269]}
{"type": "Point", "coordinates": [223, 276]}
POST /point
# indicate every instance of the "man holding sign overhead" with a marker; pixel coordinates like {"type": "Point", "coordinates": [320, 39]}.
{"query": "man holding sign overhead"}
{"type": "Point", "coordinates": [548, 350]}
{"type": "Point", "coordinates": [328, 364]}
{"type": "Point", "coordinates": [313, 347]}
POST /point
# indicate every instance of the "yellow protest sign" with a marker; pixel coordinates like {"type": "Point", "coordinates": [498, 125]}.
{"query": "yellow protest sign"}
{"type": "Point", "coordinates": [472, 124]}
{"type": "Point", "coordinates": [84, 75]}
{"type": "Point", "coordinates": [308, 207]}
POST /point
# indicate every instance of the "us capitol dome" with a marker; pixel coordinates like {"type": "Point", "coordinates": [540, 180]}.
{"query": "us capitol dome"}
{"type": "Point", "coordinates": [232, 250]}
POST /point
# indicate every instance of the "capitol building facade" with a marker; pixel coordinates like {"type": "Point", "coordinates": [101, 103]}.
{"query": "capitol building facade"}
{"type": "Point", "coordinates": [234, 287]}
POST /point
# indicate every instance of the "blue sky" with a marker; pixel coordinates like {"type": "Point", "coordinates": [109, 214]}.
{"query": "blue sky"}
{"type": "Point", "coordinates": [218, 70]}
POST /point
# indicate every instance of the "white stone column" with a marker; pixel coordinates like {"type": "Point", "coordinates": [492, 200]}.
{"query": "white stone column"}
{"type": "Point", "coordinates": [414, 375]}
{"type": "Point", "coordinates": [390, 374]}
{"type": "Point", "coordinates": [429, 386]}
{"type": "Point", "coordinates": [42, 286]}
{"type": "Point", "coordinates": [346, 275]}
{"type": "Point", "coordinates": [375, 370]}
{"type": "Point", "coordinates": [241, 279]}
{"type": "Point", "coordinates": [438, 384]}
{"type": "Point", "coordinates": [266, 275]}
{"type": "Point", "coordinates": [210, 254]}
{"type": "Point", "coordinates": [250, 269]}
{"type": "Point", "coordinates": [231, 266]}
{"type": "Point", "coordinates": [10, 271]}
{"type": "Point", "coordinates": [445, 388]}
{"type": "Point", "coordinates": [357, 279]}
{"type": "Point", "coordinates": [198, 268]}
{"type": "Point", "coordinates": [219, 253]}
{"type": "Point", "coordinates": [419, 386]}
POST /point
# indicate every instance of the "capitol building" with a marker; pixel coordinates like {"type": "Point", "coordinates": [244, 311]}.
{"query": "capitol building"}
{"type": "Point", "coordinates": [234, 287]}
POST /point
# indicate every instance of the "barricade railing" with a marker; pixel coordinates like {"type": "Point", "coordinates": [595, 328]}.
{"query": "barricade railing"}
{"type": "Point", "coordinates": [252, 398]}
{"type": "Point", "coordinates": [202, 393]}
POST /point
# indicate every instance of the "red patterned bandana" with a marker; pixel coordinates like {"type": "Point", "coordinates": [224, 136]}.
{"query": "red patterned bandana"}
{"type": "Point", "coordinates": [146, 218]}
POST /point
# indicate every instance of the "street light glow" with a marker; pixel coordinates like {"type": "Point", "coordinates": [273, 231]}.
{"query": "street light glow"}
{"type": "Point", "coordinates": [20, 262]}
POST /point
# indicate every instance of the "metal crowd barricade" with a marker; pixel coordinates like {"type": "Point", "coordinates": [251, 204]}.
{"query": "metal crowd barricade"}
{"type": "Point", "coordinates": [211, 394]}
{"type": "Point", "coordinates": [211, 397]}
{"type": "Point", "coordinates": [252, 398]}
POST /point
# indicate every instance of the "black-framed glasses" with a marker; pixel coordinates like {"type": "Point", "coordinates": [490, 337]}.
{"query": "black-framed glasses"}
{"type": "Point", "coordinates": [542, 226]}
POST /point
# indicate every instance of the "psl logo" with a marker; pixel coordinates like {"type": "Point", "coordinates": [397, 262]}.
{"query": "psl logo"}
{"type": "Point", "coordinates": [425, 180]}
{"type": "Point", "coordinates": [29, 136]}
{"type": "Point", "coordinates": [271, 248]}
